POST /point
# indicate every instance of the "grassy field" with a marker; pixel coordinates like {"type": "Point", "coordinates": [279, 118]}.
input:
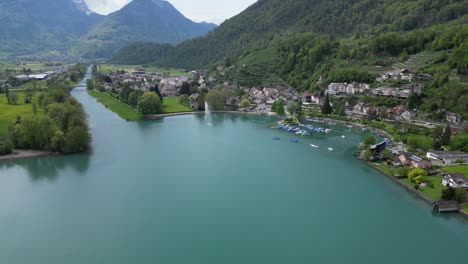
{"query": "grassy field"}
{"type": "Point", "coordinates": [121, 109]}
{"type": "Point", "coordinates": [8, 112]}
{"type": "Point", "coordinates": [106, 68]}
{"type": "Point", "coordinates": [457, 169]}
{"type": "Point", "coordinates": [433, 193]}
{"type": "Point", "coordinates": [171, 105]}
{"type": "Point", "coordinates": [35, 66]}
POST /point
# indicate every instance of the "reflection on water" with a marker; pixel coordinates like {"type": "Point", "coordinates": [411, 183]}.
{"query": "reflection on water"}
{"type": "Point", "coordinates": [50, 168]}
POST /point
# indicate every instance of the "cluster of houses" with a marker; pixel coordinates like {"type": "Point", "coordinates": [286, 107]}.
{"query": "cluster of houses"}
{"type": "Point", "coordinates": [139, 79]}
{"type": "Point", "coordinates": [345, 88]}
{"type": "Point", "coordinates": [399, 92]}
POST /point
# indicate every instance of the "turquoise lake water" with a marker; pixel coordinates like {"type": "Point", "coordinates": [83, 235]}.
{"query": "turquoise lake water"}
{"type": "Point", "coordinates": [180, 191]}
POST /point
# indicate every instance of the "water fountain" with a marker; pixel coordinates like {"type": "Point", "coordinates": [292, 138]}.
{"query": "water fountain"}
{"type": "Point", "coordinates": [207, 114]}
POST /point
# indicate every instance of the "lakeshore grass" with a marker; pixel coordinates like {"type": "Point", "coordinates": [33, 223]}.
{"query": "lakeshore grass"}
{"type": "Point", "coordinates": [387, 169]}
{"type": "Point", "coordinates": [8, 112]}
{"type": "Point", "coordinates": [124, 111]}
{"type": "Point", "coordinates": [464, 207]}
{"type": "Point", "coordinates": [172, 105]}
{"type": "Point", "coordinates": [435, 193]}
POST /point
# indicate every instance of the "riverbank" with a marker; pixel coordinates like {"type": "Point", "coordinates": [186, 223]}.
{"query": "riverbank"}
{"type": "Point", "coordinates": [159, 116]}
{"type": "Point", "coordinates": [26, 154]}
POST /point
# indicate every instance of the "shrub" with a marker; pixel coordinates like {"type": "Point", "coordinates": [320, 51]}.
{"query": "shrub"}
{"type": "Point", "coordinates": [6, 146]}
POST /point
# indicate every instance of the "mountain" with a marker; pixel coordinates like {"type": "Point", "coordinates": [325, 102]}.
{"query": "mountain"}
{"type": "Point", "coordinates": [43, 25]}
{"type": "Point", "coordinates": [266, 20]}
{"type": "Point", "coordinates": [140, 20]}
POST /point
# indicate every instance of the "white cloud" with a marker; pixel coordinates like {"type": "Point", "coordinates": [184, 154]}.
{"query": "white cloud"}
{"type": "Point", "coordinates": [197, 10]}
{"type": "Point", "coordinates": [106, 6]}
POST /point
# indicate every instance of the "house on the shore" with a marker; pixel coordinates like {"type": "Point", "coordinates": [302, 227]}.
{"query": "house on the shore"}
{"type": "Point", "coordinates": [455, 180]}
{"type": "Point", "coordinates": [409, 159]}
{"type": "Point", "coordinates": [447, 157]}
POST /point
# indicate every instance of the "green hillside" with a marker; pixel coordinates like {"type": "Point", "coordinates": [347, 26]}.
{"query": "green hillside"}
{"type": "Point", "coordinates": [267, 20]}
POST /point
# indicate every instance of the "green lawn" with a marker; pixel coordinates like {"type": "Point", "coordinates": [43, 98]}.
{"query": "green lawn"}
{"type": "Point", "coordinates": [433, 193]}
{"type": "Point", "coordinates": [8, 112]}
{"type": "Point", "coordinates": [457, 169]}
{"type": "Point", "coordinates": [121, 109]}
{"type": "Point", "coordinates": [172, 105]}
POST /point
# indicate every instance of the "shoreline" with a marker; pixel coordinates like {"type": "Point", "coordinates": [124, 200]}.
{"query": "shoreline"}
{"type": "Point", "coordinates": [419, 194]}
{"type": "Point", "coordinates": [18, 154]}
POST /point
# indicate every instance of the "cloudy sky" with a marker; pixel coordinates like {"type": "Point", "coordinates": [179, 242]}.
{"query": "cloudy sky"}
{"type": "Point", "coordinates": [198, 10]}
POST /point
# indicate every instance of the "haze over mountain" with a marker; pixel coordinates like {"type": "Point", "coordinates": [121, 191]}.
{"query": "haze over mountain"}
{"type": "Point", "coordinates": [41, 25]}
{"type": "Point", "coordinates": [140, 20]}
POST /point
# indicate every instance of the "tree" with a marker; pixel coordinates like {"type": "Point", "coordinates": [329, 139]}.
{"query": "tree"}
{"type": "Point", "coordinates": [245, 103]}
{"type": "Point", "coordinates": [36, 133]}
{"type": "Point", "coordinates": [125, 93]}
{"type": "Point", "coordinates": [326, 108]}
{"type": "Point", "coordinates": [294, 107]}
{"type": "Point", "coordinates": [341, 111]}
{"type": "Point", "coordinates": [437, 137]}
{"type": "Point", "coordinates": [149, 103]}
{"type": "Point", "coordinates": [460, 195]}
{"type": "Point", "coordinates": [448, 194]}
{"type": "Point", "coordinates": [419, 142]}
{"type": "Point", "coordinates": [446, 136]}
{"type": "Point", "coordinates": [368, 155]}
{"type": "Point", "coordinates": [90, 84]}
{"type": "Point", "coordinates": [369, 140]}
{"type": "Point", "coordinates": [185, 88]}
{"type": "Point", "coordinates": [134, 97]}
{"type": "Point", "coordinates": [460, 142]}
{"type": "Point", "coordinates": [372, 114]}
{"type": "Point", "coordinates": [417, 175]}
{"type": "Point", "coordinates": [34, 108]}
{"type": "Point", "coordinates": [404, 171]}
{"type": "Point", "coordinates": [278, 106]}
{"type": "Point", "coordinates": [155, 88]}
{"type": "Point", "coordinates": [77, 139]}
{"type": "Point", "coordinates": [216, 100]}
{"type": "Point", "coordinates": [184, 100]}
{"type": "Point", "coordinates": [12, 98]}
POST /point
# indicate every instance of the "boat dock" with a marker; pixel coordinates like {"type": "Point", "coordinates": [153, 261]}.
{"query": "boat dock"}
{"type": "Point", "coordinates": [446, 206]}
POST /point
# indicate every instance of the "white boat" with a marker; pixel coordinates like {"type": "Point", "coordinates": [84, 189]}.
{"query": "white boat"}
{"type": "Point", "coordinates": [343, 136]}
{"type": "Point", "coordinates": [314, 146]}
{"type": "Point", "coordinates": [330, 149]}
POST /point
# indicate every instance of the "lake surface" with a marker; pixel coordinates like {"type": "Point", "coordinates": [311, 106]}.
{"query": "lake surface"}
{"type": "Point", "coordinates": [181, 191]}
